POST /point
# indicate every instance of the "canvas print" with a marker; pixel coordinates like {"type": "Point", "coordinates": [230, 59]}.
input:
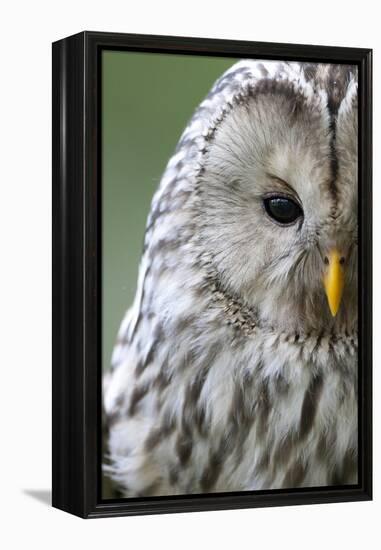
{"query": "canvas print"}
{"type": "Point", "coordinates": [229, 275]}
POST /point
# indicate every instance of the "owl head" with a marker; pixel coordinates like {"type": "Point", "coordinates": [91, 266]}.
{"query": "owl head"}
{"type": "Point", "coordinates": [277, 192]}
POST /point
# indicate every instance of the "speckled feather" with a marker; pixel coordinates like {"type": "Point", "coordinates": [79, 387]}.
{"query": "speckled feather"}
{"type": "Point", "coordinates": [229, 372]}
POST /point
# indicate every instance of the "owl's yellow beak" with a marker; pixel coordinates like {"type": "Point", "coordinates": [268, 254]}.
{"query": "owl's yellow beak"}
{"type": "Point", "coordinates": [333, 279]}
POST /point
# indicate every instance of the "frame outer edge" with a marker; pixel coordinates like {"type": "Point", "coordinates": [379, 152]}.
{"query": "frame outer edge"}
{"type": "Point", "coordinates": [68, 422]}
{"type": "Point", "coordinates": [366, 173]}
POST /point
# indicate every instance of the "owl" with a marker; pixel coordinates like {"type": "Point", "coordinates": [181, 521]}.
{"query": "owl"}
{"type": "Point", "coordinates": [235, 369]}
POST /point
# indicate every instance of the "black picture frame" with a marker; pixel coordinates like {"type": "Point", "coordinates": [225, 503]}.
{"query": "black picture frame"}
{"type": "Point", "coordinates": [77, 273]}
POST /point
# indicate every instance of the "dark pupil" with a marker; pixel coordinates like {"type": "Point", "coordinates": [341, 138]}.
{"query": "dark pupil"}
{"type": "Point", "coordinates": [283, 210]}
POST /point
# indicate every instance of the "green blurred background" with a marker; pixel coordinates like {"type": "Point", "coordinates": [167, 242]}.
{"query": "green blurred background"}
{"type": "Point", "coordinates": [147, 102]}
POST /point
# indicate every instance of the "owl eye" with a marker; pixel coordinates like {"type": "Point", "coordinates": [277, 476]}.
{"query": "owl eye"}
{"type": "Point", "coordinates": [282, 209]}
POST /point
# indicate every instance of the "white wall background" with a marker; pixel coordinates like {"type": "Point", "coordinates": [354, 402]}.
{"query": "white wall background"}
{"type": "Point", "coordinates": [27, 29]}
